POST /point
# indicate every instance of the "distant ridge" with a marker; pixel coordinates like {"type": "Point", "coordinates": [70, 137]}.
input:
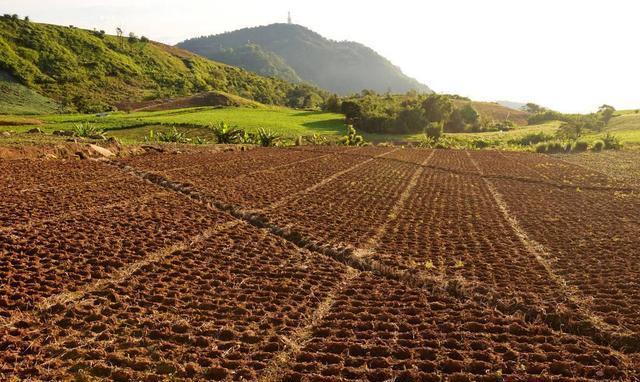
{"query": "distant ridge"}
{"type": "Point", "coordinates": [291, 51]}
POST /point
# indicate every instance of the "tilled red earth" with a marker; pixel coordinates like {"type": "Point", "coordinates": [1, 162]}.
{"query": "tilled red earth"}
{"type": "Point", "coordinates": [318, 264]}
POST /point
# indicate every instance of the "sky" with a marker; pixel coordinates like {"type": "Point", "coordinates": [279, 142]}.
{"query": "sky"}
{"type": "Point", "coordinates": [568, 55]}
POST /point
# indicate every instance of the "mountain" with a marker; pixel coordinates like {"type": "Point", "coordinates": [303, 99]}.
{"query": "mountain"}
{"type": "Point", "coordinates": [342, 67]}
{"type": "Point", "coordinates": [90, 71]}
{"type": "Point", "coordinates": [255, 59]}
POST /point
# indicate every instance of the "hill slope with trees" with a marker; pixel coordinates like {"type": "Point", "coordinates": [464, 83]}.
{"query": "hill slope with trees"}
{"type": "Point", "coordinates": [342, 67]}
{"type": "Point", "coordinates": [91, 71]}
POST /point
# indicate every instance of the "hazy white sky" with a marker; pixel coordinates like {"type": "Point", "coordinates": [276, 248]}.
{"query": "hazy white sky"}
{"type": "Point", "coordinates": [570, 55]}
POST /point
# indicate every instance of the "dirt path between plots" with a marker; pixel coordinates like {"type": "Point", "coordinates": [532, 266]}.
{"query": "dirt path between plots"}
{"type": "Point", "coordinates": [367, 248]}
{"type": "Point", "coordinates": [297, 341]}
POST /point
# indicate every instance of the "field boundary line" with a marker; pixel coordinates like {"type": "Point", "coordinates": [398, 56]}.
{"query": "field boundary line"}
{"type": "Point", "coordinates": [372, 242]}
{"type": "Point", "coordinates": [541, 254]}
{"type": "Point", "coordinates": [277, 367]}
{"type": "Point", "coordinates": [330, 178]}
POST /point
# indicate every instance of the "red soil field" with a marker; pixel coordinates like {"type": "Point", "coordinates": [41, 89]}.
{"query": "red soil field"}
{"type": "Point", "coordinates": [318, 264]}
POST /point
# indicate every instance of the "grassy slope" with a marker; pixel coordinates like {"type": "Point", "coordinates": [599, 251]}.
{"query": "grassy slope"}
{"type": "Point", "coordinates": [626, 126]}
{"type": "Point", "coordinates": [90, 71]}
{"type": "Point", "coordinates": [16, 98]}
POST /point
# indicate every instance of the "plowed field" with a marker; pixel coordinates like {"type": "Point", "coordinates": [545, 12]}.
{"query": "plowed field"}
{"type": "Point", "coordinates": [318, 264]}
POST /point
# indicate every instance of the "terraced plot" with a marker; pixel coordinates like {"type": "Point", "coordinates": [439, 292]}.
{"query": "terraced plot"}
{"type": "Point", "coordinates": [318, 264]}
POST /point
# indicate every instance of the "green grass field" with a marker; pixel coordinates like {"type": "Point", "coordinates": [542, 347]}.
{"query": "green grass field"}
{"type": "Point", "coordinates": [133, 127]}
{"type": "Point", "coordinates": [290, 123]}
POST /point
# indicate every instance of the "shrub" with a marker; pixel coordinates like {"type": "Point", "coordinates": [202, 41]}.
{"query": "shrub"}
{"type": "Point", "coordinates": [611, 142]}
{"type": "Point", "coordinates": [172, 136]}
{"type": "Point", "coordinates": [317, 140]}
{"type": "Point", "coordinates": [199, 141]}
{"type": "Point", "coordinates": [598, 145]}
{"type": "Point", "coordinates": [144, 39]}
{"type": "Point", "coordinates": [545, 116]}
{"type": "Point", "coordinates": [427, 142]}
{"type": "Point", "coordinates": [226, 134]}
{"type": "Point", "coordinates": [580, 146]}
{"type": "Point", "coordinates": [531, 139]}
{"type": "Point", "coordinates": [87, 130]}
{"type": "Point", "coordinates": [480, 143]}
{"type": "Point", "coordinates": [267, 138]}
{"type": "Point", "coordinates": [469, 114]}
{"type": "Point", "coordinates": [352, 138]}
{"type": "Point", "coordinates": [570, 130]}
{"type": "Point", "coordinates": [541, 148]}
{"type": "Point", "coordinates": [445, 143]}
{"type": "Point", "coordinates": [555, 147]}
{"type": "Point", "coordinates": [433, 130]}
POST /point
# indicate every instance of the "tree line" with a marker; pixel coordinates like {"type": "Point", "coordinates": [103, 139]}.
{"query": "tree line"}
{"type": "Point", "coordinates": [412, 113]}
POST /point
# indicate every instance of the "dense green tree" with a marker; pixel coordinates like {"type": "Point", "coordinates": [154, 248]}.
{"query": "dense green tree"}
{"type": "Point", "coordinates": [455, 123]}
{"type": "Point", "coordinates": [469, 114]}
{"type": "Point", "coordinates": [410, 120]}
{"type": "Point", "coordinates": [606, 113]}
{"type": "Point", "coordinates": [533, 108]}
{"type": "Point", "coordinates": [437, 108]}
{"type": "Point", "coordinates": [333, 104]}
{"type": "Point", "coordinates": [351, 110]}
{"type": "Point", "coordinates": [433, 130]}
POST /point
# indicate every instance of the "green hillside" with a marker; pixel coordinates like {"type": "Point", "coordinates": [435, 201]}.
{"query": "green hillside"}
{"type": "Point", "coordinates": [342, 67]}
{"type": "Point", "coordinates": [91, 71]}
{"type": "Point", "coordinates": [255, 59]}
{"type": "Point", "coordinates": [16, 98]}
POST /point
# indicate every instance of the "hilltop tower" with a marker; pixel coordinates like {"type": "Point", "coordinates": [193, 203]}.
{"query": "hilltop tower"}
{"type": "Point", "coordinates": [289, 18]}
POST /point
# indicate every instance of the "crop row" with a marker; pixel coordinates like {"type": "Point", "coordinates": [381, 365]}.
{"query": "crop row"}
{"type": "Point", "coordinates": [560, 171]}
{"type": "Point", "coordinates": [592, 239]}
{"type": "Point", "coordinates": [44, 259]}
{"type": "Point", "coordinates": [451, 228]}
{"type": "Point", "coordinates": [220, 310]}
{"type": "Point", "coordinates": [23, 208]}
{"type": "Point", "coordinates": [17, 176]}
{"type": "Point", "coordinates": [258, 190]}
{"type": "Point", "coordinates": [452, 160]}
{"type": "Point", "coordinates": [380, 330]}
{"type": "Point", "coordinates": [348, 210]}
